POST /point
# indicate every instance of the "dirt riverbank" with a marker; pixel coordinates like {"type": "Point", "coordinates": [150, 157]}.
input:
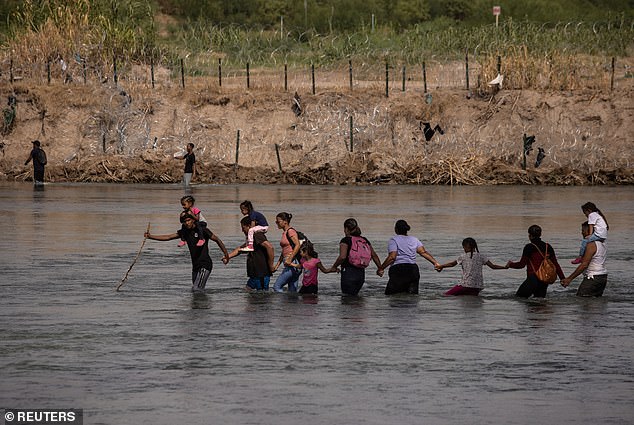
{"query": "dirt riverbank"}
{"type": "Point", "coordinates": [130, 134]}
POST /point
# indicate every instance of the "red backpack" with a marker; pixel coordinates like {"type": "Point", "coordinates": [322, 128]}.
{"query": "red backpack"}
{"type": "Point", "coordinates": [360, 253]}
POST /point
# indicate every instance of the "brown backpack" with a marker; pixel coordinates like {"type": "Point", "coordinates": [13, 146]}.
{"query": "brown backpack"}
{"type": "Point", "coordinates": [547, 271]}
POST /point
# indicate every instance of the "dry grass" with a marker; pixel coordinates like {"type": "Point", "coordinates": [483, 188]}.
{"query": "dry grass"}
{"type": "Point", "coordinates": [481, 145]}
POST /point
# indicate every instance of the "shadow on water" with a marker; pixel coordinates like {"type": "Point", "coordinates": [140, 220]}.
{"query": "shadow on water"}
{"type": "Point", "coordinates": [259, 298]}
{"type": "Point", "coordinates": [309, 299]}
{"type": "Point", "coordinates": [200, 301]}
{"type": "Point", "coordinates": [468, 301]}
{"type": "Point", "coordinates": [403, 300]}
{"type": "Point", "coordinates": [357, 301]}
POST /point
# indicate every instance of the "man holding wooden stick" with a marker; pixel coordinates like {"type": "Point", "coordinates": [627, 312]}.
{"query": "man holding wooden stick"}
{"type": "Point", "coordinates": [201, 261]}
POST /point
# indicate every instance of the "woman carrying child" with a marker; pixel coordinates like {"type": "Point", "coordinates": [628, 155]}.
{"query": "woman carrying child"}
{"type": "Point", "coordinates": [472, 262]}
{"type": "Point", "coordinates": [258, 223]}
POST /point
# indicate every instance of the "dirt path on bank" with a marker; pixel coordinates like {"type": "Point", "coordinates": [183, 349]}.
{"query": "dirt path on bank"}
{"type": "Point", "coordinates": [131, 134]}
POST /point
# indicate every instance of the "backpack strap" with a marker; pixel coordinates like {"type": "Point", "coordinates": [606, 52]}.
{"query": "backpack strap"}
{"type": "Point", "coordinates": [540, 253]}
{"type": "Point", "coordinates": [290, 241]}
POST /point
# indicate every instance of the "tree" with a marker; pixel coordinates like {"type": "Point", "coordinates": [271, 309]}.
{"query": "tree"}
{"type": "Point", "coordinates": [409, 12]}
{"type": "Point", "coordinates": [458, 9]}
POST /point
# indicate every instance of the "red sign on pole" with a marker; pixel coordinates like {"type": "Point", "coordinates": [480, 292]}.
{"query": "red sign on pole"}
{"type": "Point", "coordinates": [497, 10]}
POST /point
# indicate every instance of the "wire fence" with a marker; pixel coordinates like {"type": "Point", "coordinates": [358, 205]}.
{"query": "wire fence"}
{"type": "Point", "coordinates": [470, 74]}
{"type": "Point", "coordinates": [330, 132]}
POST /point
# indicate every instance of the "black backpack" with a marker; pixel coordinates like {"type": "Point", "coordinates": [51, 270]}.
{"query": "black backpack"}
{"type": "Point", "coordinates": [302, 238]}
{"type": "Point", "coordinates": [41, 156]}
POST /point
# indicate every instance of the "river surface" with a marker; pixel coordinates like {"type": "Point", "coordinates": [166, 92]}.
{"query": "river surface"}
{"type": "Point", "coordinates": [156, 354]}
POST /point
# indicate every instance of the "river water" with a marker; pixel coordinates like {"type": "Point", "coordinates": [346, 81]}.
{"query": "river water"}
{"type": "Point", "coordinates": [155, 354]}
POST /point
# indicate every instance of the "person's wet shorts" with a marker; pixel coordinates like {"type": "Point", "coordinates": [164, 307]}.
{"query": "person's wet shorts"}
{"type": "Point", "coordinates": [592, 286]}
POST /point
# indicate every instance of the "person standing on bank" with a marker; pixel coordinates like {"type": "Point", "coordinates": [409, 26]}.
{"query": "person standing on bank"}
{"type": "Point", "coordinates": [532, 257]}
{"type": "Point", "coordinates": [595, 275]}
{"type": "Point", "coordinates": [404, 275]}
{"type": "Point", "coordinates": [190, 165]}
{"type": "Point", "coordinates": [355, 254]}
{"type": "Point", "coordinates": [201, 261]}
{"type": "Point", "coordinates": [38, 156]}
{"type": "Point", "coordinates": [260, 265]}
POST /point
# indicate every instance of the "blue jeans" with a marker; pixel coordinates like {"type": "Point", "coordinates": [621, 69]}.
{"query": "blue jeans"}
{"type": "Point", "coordinates": [585, 241]}
{"type": "Point", "coordinates": [289, 276]}
{"type": "Point", "coordinates": [259, 283]}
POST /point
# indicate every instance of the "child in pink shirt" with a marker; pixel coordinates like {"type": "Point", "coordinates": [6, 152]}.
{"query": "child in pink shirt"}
{"type": "Point", "coordinates": [310, 264]}
{"type": "Point", "coordinates": [187, 202]}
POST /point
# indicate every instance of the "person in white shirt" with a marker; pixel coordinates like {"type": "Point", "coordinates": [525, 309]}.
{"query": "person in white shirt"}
{"type": "Point", "coordinates": [598, 228]}
{"type": "Point", "coordinates": [472, 262]}
{"type": "Point", "coordinates": [592, 265]}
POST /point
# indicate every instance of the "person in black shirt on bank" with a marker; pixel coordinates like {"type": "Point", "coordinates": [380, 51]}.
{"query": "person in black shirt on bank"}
{"type": "Point", "coordinates": [190, 165]}
{"type": "Point", "coordinates": [38, 157]}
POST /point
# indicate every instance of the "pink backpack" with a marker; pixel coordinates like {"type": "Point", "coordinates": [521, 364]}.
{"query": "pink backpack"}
{"type": "Point", "coordinates": [360, 253]}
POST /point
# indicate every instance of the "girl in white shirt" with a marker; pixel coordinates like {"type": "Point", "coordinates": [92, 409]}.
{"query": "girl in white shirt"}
{"type": "Point", "coordinates": [472, 262]}
{"type": "Point", "coordinates": [598, 228]}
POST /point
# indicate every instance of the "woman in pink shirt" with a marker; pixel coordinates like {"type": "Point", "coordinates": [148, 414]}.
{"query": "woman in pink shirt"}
{"type": "Point", "coordinates": [290, 248]}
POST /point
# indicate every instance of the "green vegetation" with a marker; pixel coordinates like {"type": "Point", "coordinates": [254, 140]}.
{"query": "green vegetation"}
{"type": "Point", "coordinates": [265, 33]}
{"type": "Point", "coordinates": [355, 15]}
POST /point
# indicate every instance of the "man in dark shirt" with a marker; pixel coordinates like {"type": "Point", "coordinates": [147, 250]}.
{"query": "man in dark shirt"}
{"type": "Point", "coordinates": [260, 265]}
{"type": "Point", "coordinates": [38, 165]}
{"type": "Point", "coordinates": [190, 165]}
{"type": "Point", "coordinates": [201, 261]}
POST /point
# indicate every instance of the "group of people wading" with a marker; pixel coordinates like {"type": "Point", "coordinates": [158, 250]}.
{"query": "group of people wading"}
{"type": "Point", "coordinates": [298, 257]}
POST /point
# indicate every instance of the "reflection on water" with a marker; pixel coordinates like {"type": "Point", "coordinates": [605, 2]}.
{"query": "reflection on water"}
{"type": "Point", "coordinates": [155, 353]}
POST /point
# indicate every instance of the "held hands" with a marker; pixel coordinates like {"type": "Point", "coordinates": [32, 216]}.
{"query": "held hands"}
{"type": "Point", "coordinates": [438, 267]}
{"type": "Point", "coordinates": [225, 259]}
{"type": "Point", "coordinates": [380, 272]}
{"type": "Point", "coordinates": [565, 282]}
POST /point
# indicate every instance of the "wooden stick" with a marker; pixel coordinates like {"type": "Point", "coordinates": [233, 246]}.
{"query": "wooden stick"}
{"type": "Point", "coordinates": [277, 152]}
{"type": "Point", "coordinates": [135, 258]}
